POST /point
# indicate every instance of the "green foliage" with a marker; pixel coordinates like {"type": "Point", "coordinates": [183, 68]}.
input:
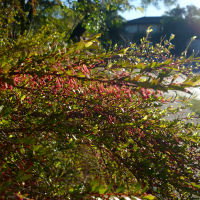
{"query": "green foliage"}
{"type": "Point", "coordinates": [77, 121]}
{"type": "Point", "coordinates": [76, 19]}
{"type": "Point", "coordinates": [20, 16]}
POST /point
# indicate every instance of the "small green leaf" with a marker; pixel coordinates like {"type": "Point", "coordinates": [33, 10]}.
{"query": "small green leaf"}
{"type": "Point", "coordinates": [102, 189]}
{"type": "Point", "coordinates": [94, 186]}
{"type": "Point", "coordinates": [88, 44]}
{"type": "Point", "coordinates": [23, 97]}
{"type": "Point", "coordinates": [1, 108]}
{"type": "Point", "coordinates": [154, 64]}
{"type": "Point", "coordinates": [149, 197]}
{"type": "Point", "coordinates": [22, 151]}
{"type": "Point", "coordinates": [195, 185]}
{"type": "Point", "coordinates": [172, 36]}
{"type": "Point", "coordinates": [145, 117]}
{"type": "Point", "coordinates": [140, 9]}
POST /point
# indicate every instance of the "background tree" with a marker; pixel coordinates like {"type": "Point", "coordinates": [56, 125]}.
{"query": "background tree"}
{"type": "Point", "coordinates": [192, 12]}
{"type": "Point", "coordinates": [184, 23]}
{"type": "Point", "coordinates": [24, 14]}
{"type": "Point", "coordinates": [100, 12]}
{"type": "Point", "coordinates": [177, 12]}
{"type": "Point", "coordinates": [81, 16]}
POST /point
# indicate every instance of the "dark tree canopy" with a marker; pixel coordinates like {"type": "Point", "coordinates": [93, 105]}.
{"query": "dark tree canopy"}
{"type": "Point", "coordinates": [184, 23]}
{"type": "Point", "coordinates": [79, 16]}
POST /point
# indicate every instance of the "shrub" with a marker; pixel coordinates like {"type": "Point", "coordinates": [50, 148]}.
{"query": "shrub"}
{"type": "Point", "coordinates": [77, 121]}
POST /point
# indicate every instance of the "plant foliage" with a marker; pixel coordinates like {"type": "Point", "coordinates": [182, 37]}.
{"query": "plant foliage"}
{"type": "Point", "coordinates": [79, 122]}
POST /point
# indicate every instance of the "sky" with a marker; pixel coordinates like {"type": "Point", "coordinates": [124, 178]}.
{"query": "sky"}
{"type": "Point", "coordinates": [152, 11]}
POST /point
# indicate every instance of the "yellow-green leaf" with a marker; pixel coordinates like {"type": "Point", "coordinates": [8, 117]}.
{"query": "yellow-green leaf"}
{"type": "Point", "coordinates": [149, 197]}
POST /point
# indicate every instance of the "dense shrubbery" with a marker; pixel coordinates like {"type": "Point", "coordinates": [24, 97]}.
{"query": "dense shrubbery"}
{"type": "Point", "coordinates": [77, 121]}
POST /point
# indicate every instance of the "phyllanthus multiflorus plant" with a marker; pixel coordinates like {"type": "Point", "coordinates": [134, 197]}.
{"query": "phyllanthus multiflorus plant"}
{"type": "Point", "coordinates": [81, 122]}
